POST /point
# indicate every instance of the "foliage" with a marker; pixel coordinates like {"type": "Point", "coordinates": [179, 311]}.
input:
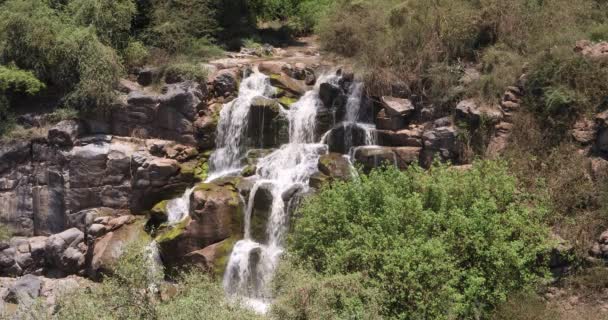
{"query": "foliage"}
{"type": "Point", "coordinates": [303, 294]}
{"type": "Point", "coordinates": [19, 80]}
{"type": "Point", "coordinates": [5, 233]}
{"type": "Point", "coordinates": [110, 18]}
{"type": "Point", "coordinates": [38, 38]}
{"type": "Point", "coordinates": [129, 293]}
{"type": "Point", "coordinates": [199, 297]}
{"type": "Point", "coordinates": [176, 24]}
{"type": "Point", "coordinates": [439, 244]}
{"type": "Point", "coordinates": [560, 171]}
{"type": "Point", "coordinates": [126, 294]}
{"type": "Point", "coordinates": [135, 54]}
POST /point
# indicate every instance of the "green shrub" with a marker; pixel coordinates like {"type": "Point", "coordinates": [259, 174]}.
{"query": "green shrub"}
{"type": "Point", "coordinates": [186, 71]}
{"type": "Point", "coordinates": [110, 18]}
{"type": "Point", "coordinates": [135, 54]}
{"type": "Point", "coordinates": [199, 297]}
{"type": "Point", "coordinates": [16, 80]}
{"type": "Point", "coordinates": [303, 294]}
{"type": "Point", "coordinates": [38, 38]}
{"type": "Point", "coordinates": [441, 244]}
{"type": "Point", "coordinates": [126, 294]}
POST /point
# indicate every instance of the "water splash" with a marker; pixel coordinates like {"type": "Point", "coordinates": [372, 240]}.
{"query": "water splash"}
{"type": "Point", "coordinates": [233, 124]}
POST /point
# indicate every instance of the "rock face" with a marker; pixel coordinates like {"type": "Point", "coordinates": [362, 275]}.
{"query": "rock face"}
{"type": "Point", "coordinates": [215, 215]}
{"type": "Point", "coordinates": [45, 190]}
{"type": "Point", "coordinates": [441, 141]}
{"type": "Point", "coordinates": [170, 115]}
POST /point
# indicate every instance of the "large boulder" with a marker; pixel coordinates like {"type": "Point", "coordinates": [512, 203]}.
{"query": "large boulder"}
{"type": "Point", "coordinates": [215, 215]}
{"type": "Point", "coordinates": [268, 125]}
{"type": "Point", "coordinates": [225, 82]}
{"type": "Point", "coordinates": [107, 249]}
{"type": "Point", "coordinates": [384, 121]}
{"type": "Point", "coordinates": [346, 136]}
{"type": "Point", "coordinates": [65, 133]}
{"type": "Point", "coordinates": [396, 107]}
{"type": "Point", "coordinates": [442, 142]}
{"type": "Point", "coordinates": [374, 156]}
{"type": "Point", "coordinates": [475, 113]}
{"type": "Point", "coordinates": [335, 166]}
{"type": "Point", "coordinates": [403, 138]}
{"type": "Point", "coordinates": [66, 251]}
{"type": "Point", "coordinates": [288, 84]}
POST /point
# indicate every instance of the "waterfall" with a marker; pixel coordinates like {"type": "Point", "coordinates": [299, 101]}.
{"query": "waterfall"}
{"type": "Point", "coordinates": [232, 125]}
{"type": "Point", "coordinates": [252, 264]}
{"type": "Point", "coordinates": [282, 174]}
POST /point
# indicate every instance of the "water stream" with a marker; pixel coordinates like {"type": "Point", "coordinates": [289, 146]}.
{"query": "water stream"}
{"type": "Point", "coordinates": [281, 174]}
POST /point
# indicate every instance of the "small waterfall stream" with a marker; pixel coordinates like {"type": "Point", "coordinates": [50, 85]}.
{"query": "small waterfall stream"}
{"type": "Point", "coordinates": [253, 261]}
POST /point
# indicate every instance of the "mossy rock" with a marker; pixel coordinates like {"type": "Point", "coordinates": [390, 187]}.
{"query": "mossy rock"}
{"type": "Point", "coordinates": [318, 180]}
{"type": "Point", "coordinates": [222, 256]}
{"type": "Point", "coordinates": [159, 213]}
{"type": "Point", "coordinates": [287, 101]}
{"type": "Point", "coordinates": [271, 105]}
{"type": "Point", "coordinates": [173, 232]}
{"type": "Point", "coordinates": [249, 171]}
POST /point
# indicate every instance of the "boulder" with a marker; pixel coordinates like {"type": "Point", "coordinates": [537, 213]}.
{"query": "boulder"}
{"type": "Point", "coordinates": [285, 82]}
{"type": "Point", "coordinates": [271, 67]}
{"type": "Point", "coordinates": [318, 180]}
{"type": "Point", "coordinates": [268, 125]}
{"type": "Point", "coordinates": [474, 113]}
{"type": "Point", "coordinates": [396, 107]}
{"type": "Point", "coordinates": [215, 215]}
{"type": "Point", "coordinates": [260, 213]}
{"type": "Point", "coordinates": [66, 251]}
{"type": "Point", "coordinates": [65, 133]}
{"type": "Point", "coordinates": [225, 82]}
{"type": "Point", "coordinates": [375, 156]}
{"type": "Point", "coordinates": [584, 131]}
{"type": "Point", "coordinates": [439, 141]}
{"type": "Point", "coordinates": [108, 248]}
{"type": "Point", "coordinates": [24, 290]}
{"type": "Point", "coordinates": [335, 166]}
{"type": "Point", "coordinates": [331, 95]}
{"type": "Point", "coordinates": [147, 75]}
{"type": "Point", "coordinates": [14, 153]}
{"type": "Point", "coordinates": [346, 136]}
{"type": "Point", "coordinates": [388, 122]}
{"type": "Point", "coordinates": [407, 156]}
{"type": "Point", "coordinates": [402, 138]}
{"type": "Point", "coordinates": [213, 258]}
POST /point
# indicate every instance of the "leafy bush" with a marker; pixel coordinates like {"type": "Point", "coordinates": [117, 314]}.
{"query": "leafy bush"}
{"type": "Point", "coordinates": [129, 293]}
{"type": "Point", "coordinates": [440, 244]}
{"type": "Point", "coordinates": [302, 294]}
{"type": "Point", "coordinates": [36, 37]}
{"type": "Point", "coordinates": [135, 54]}
{"type": "Point", "coordinates": [126, 294]}
{"type": "Point", "coordinates": [110, 18]}
{"type": "Point", "coordinates": [14, 79]}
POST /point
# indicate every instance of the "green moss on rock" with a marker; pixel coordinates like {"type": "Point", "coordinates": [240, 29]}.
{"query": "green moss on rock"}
{"type": "Point", "coordinates": [173, 232]}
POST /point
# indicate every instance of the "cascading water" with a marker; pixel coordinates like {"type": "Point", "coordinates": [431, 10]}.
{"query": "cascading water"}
{"type": "Point", "coordinates": [252, 264]}
{"type": "Point", "coordinates": [233, 123]}
{"type": "Point", "coordinates": [282, 173]}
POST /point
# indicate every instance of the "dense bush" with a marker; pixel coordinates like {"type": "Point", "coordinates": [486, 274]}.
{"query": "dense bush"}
{"type": "Point", "coordinates": [36, 37]}
{"type": "Point", "coordinates": [441, 244]}
{"type": "Point", "coordinates": [303, 294]}
{"type": "Point", "coordinates": [129, 293]}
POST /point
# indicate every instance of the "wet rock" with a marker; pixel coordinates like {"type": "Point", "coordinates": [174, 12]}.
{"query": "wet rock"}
{"type": "Point", "coordinates": [13, 153]}
{"type": "Point", "coordinates": [215, 215]}
{"type": "Point", "coordinates": [335, 166]}
{"type": "Point", "coordinates": [346, 136]}
{"type": "Point", "coordinates": [318, 180]}
{"type": "Point", "coordinates": [285, 82]}
{"type": "Point", "coordinates": [213, 258]}
{"type": "Point", "coordinates": [268, 125]}
{"type": "Point", "coordinates": [260, 215]}
{"type": "Point", "coordinates": [375, 156]}
{"type": "Point", "coordinates": [332, 96]}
